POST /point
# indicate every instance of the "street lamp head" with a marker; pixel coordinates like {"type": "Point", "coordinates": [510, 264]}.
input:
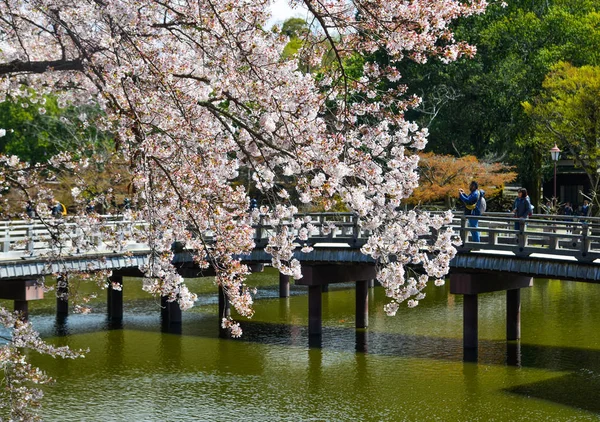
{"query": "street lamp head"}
{"type": "Point", "coordinates": [555, 153]}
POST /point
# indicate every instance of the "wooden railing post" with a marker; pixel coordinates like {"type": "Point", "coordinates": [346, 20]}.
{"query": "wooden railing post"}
{"type": "Point", "coordinates": [30, 242]}
{"type": "Point", "coordinates": [586, 243]}
{"type": "Point", "coordinates": [355, 229]}
{"type": "Point", "coordinates": [521, 235]}
{"type": "Point", "coordinates": [6, 244]}
{"type": "Point", "coordinates": [463, 228]}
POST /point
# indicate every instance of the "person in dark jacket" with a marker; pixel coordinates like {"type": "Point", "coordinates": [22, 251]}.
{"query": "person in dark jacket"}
{"type": "Point", "coordinates": [472, 207]}
{"type": "Point", "coordinates": [522, 209]}
{"type": "Point", "coordinates": [586, 210]}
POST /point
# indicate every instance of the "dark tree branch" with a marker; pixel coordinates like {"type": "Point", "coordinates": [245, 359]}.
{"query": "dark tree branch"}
{"type": "Point", "coordinates": [18, 66]}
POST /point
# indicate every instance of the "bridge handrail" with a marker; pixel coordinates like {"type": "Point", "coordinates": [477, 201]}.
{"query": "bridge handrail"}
{"type": "Point", "coordinates": [575, 236]}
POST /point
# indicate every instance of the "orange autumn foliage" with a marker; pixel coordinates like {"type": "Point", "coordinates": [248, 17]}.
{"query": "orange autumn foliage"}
{"type": "Point", "coordinates": [442, 175]}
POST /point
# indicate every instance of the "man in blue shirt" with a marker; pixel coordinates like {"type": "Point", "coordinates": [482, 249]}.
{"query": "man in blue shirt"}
{"type": "Point", "coordinates": [472, 207]}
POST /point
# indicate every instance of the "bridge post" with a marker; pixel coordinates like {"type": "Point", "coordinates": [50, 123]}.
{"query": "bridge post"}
{"type": "Point", "coordinates": [6, 244]}
{"type": "Point", "coordinates": [224, 305]}
{"type": "Point", "coordinates": [513, 314]}
{"type": "Point", "coordinates": [471, 284]}
{"type": "Point", "coordinates": [224, 312]}
{"type": "Point", "coordinates": [22, 306]}
{"type": "Point", "coordinates": [62, 295]}
{"type": "Point", "coordinates": [522, 236]}
{"type": "Point", "coordinates": [170, 316]}
{"type": "Point", "coordinates": [362, 304]}
{"type": "Point", "coordinates": [470, 321]}
{"type": "Point", "coordinates": [175, 313]}
{"type": "Point", "coordinates": [315, 310]}
{"type": "Point", "coordinates": [114, 303]}
{"type": "Point", "coordinates": [463, 229]}
{"type": "Point", "coordinates": [316, 276]}
{"type": "Point", "coordinates": [371, 283]}
{"type": "Point", "coordinates": [21, 292]}
{"type": "Point", "coordinates": [284, 285]}
{"type": "Point", "coordinates": [30, 242]}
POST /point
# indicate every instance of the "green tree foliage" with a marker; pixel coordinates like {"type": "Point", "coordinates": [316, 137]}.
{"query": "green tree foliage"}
{"type": "Point", "coordinates": [568, 112]}
{"type": "Point", "coordinates": [474, 106]}
{"type": "Point", "coordinates": [294, 27]}
{"type": "Point", "coordinates": [37, 128]}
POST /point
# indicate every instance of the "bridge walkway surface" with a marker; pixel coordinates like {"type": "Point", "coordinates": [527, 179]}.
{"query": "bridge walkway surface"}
{"type": "Point", "coordinates": [510, 253]}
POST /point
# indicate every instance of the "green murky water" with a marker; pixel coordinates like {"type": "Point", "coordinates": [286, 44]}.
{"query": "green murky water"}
{"type": "Point", "coordinates": [406, 368]}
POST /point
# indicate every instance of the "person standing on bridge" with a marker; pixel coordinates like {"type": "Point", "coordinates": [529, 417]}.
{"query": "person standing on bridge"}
{"type": "Point", "coordinates": [522, 209]}
{"type": "Point", "coordinates": [472, 207]}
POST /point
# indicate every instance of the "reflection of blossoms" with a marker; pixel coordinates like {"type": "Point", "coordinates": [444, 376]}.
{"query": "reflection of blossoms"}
{"type": "Point", "coordinates": [21, 379]}
{"type": "Point", "coordinates": [189, 121]}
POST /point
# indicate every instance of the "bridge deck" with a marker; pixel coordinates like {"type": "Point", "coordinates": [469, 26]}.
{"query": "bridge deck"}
{"type": "Point", "coordinates": [550, 246]}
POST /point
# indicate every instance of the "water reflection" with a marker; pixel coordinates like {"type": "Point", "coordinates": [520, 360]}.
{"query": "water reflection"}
{"type": "Point", "coordinates": [513, 353]}
{"type": "Point", "coordinates": [386, 372]}
{"type": "Point", "coordinates": [61, 328]}
{"type": "Point", "coordinates": [470, 354]}
{"type": "Point", "coordinates": [362, 338]}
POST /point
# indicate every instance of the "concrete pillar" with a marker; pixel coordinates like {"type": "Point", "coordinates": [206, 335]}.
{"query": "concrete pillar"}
{"type": "Point", "coordinates": [170, 313]}
{"type": "Point", "coordinates": [22, 306]}
{"type": "Point", "coordinates": [362, 341]}
{"type": "Point", "coordinates": [371, 283]}
{"type": "Point", "coordinates": [315, 309]}
{"type": "Point", "coordinates": [470, 334]}
{"type": "Point", "coordinates": [224, 305]}
{"type": "Point", "coordinates": [164, 309]}
{"type": "Point", "coordinates": [115, 299]}
{"type": "Point", "coordinates": [62, 295]}
{"type": "Point", "coordinates": [175, 313]}
{"type": "Point", "coordinates": [284, 285]}
{"type": "Point", "coordinates": [513, 314]}
{"type": "Point", "coordinates": [224, 312]}
{"type": "Point", "coordinates": [362, 304]}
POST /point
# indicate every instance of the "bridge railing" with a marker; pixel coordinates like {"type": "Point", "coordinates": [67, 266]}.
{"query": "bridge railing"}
{"type": "Point", "coordinates": [30, 237]}
{"type": "Point", "coordinates": [342, 228]}
{"type": "Point", "coordinates": [572, 236]}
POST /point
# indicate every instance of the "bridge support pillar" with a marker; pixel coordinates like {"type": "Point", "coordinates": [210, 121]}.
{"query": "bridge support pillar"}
{"type": "Point", "coordinates": [284, 285]}
{"type": "Point", "coordinates": [21, 292]}
{"type": "Point", "coordinates": [362, 304]}
{"type": "Point", "coordinates": [224, 305]}
{"type": "Point", "coordinates": [513, 314]}
{"type": "Point", "coordinates": [224, 311]}
{"type": "Point", "coordinates": [470, 322]}
{"type": "Point", "coordinates": [316, 276]}
{"type": "Point", "coordinates": [256, 268]}
{"type": "Point", "coordinates": [371, 283]}
{"type": "Point", "coordinates": [114, 300]}
{"type": "Point", "coordinates": [170, 312]}
{"type": "Point", "coordinates": [62, 295]}
{"type": "Point", "coordinates": [22, 306]}
{"type": "Point", "coordinates": [471, 284]}
{"type": "Point", "coordinates": [315, 310]}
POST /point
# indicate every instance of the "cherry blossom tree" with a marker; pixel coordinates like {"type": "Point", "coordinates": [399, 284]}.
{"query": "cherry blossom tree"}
{"type": "Point", "coordinates": [197, 91]}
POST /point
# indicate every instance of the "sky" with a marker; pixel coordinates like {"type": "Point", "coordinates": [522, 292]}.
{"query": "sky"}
{"type": "Point", "coordinates": [281, 11]}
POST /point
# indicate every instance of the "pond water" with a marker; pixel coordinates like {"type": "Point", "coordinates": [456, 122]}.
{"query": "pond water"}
{"type": "Point", "coordinates": [404, 368]}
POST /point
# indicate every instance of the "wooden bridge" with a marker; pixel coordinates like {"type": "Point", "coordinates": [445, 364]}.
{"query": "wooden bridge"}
{"type": "Point", "coordinates": [506, 258]}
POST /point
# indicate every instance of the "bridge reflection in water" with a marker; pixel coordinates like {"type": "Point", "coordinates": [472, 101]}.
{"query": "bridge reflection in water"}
{"type": "Point", "coordinates": [504, 260]}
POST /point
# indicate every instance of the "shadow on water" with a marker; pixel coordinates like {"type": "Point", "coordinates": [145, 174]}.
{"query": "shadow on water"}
{"type": "Point", "coordinates": [560, 390]}
{"type": "Point", "coordinates": [351, 340]}
{"type": "Point", "coordinates": [512, 353]}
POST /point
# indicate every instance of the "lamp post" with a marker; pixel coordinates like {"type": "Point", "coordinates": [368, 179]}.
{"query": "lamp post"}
{"type": "Point", "coordinates": [555, 153]}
